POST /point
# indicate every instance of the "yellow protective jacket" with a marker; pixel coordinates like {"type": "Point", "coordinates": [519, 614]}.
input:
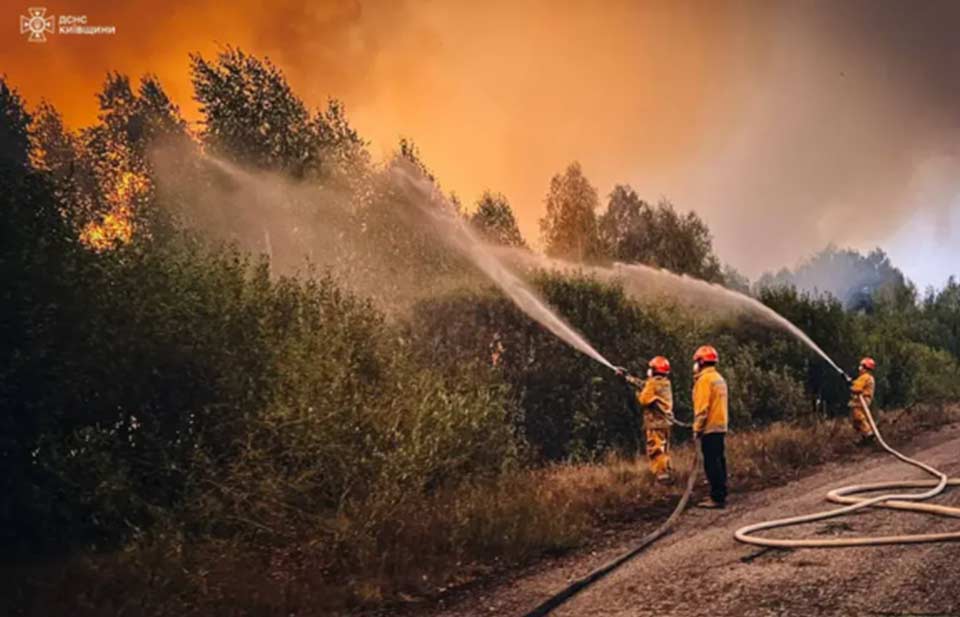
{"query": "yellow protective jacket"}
{"type": "Point", "coordinates": [862, 386]}
{"type": "Point", "coordinates": [656, 400]}
{"type": "Point", "coordinates": [710, 402]}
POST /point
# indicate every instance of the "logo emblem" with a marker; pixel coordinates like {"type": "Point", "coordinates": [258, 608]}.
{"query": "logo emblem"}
{"type": "Point", "coordinates": [37, 25]}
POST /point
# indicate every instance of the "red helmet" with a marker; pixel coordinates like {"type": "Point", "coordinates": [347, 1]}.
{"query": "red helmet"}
{"type": "Point", "coordinates": [660, 365]}
{"type": "Point", "coordinates": [868, 363]}
{"type": "Point", "coordinates": [706, 353]}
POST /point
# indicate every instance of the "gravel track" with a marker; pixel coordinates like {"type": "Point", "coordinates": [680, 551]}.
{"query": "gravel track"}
{"type": "Point", "coordinates": [701, 570]}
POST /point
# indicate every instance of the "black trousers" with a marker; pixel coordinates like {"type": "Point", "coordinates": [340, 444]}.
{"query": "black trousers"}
{"type": "Point", "coordinates": [715, 465]}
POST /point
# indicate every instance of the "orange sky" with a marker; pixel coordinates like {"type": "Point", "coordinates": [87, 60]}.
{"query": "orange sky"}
{"type": "Point", "coordinates": [688, 100]}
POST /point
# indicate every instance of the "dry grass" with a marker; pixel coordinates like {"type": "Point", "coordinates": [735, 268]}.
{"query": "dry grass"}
{"type": "Point", "coordinates": [428, 544]}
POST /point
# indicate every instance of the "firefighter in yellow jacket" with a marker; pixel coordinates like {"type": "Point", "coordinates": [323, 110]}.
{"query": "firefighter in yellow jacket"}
{"type": "Point", "coordinates": [710, 422]}
{"type": "Point", "coordinates": [656, 401]}
{"type": "Point", "coordinates": [862, 386]}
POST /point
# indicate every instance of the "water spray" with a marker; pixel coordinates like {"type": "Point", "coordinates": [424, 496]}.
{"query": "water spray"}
{"type": "Point", "coordinates": [457, 233]}
{"type": "Point", "coordinates": [424, 200]}
{"type": "Point", "coordinates": [431, 205]}
{"type": "Point", "coordinates": [719, 293]}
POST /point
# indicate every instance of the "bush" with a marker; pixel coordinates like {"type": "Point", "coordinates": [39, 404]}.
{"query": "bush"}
{"type": "Point", "coordinates": [178, 420]}
{"type": "Point", "coordinates": [761, 395]}
{"type": "Point", "coordinates": [937, 376]}
{"type": "Point", "coordinates": [196, 384]}
{"type": "Point", "coordinates": [571, 406]}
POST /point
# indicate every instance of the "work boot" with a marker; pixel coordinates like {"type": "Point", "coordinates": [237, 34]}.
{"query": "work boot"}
{"type": "Point", "coordinates": [710, 504]}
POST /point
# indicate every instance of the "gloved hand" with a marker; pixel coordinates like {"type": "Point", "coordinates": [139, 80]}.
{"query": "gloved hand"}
{"type": "Point", "coordinates": [625, 375]}
{"type": "Point", "coordinates": [848, 379]}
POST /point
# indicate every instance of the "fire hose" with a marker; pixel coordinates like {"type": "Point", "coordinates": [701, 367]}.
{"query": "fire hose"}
{"type": "Point", "coordinates": [582, 583]}
{"type": "Point", "coordinates": [898, 501]}
{"type": "Point", "coordinates": [846, 495]}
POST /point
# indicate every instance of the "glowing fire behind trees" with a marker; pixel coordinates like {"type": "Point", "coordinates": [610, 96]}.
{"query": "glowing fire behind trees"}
{"type": "Point", "coordinates": [116, 226]}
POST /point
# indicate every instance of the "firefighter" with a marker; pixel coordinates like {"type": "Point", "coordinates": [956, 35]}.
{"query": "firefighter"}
{"type": "Point", "coordinates": [656, 400]}
{"type": "Point", "coordinates": [710, 422]}
{"type": "Point", "coordinates": [862, 386]}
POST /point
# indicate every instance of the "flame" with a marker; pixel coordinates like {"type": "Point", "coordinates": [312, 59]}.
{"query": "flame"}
{"type": "Point", "coordinates": [116, 226]}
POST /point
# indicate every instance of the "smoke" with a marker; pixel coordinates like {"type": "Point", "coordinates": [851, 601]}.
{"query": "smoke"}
{"type": "Point", "coordinates": [375, 240]}
{"type": "Point", "coordinates": [497, 95]}
{"type": "Point", "coordinates": [305, 217]}
{"type": "Point", "coordinates": [849, 135]}
{"type": "Point", "coordinates": [262, 210]}
{"type": "Point", "coordinates": [788, 126]}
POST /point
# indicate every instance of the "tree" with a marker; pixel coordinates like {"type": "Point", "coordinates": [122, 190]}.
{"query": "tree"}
{"type": "Point", "coordinates": [158, 117]}
{"type": "Point", "coordinates": [54, 148]}
{"type": "Point", "coordinates": [494, 219]}
{"type": "Point", "coordinates": [622, 226]}
{"type": "Point", "coordinates": [736, 280]}
{"type": "Point", "coordinates": [410, 153]}
{"type": "Point", "coordinates": [851, 277]}
{"type": "Point", "coordinates": [342, 152]}
{"type": "Point", "coordinates": [251, 114]}
{"type": "Point", "coordinates": [57, 152]}
{"type": "Point", "coordinates": [44, 281]}
{"type": "Point", "coordinates": [569, 229]}
{"type": "Point", "coordinates": [941, 317]}
{"type": "Point", "coordinates": [824, 320]}
{"type": "Point", "coordinates": [14, 131]}
{"type": "Point", "coordinates": [633, 231]}
{"type": "Point", "coordinates": [114, 152]}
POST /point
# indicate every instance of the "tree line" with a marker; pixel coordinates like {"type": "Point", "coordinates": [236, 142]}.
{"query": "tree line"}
{"type": "Point", "coordinates": [175, 375]}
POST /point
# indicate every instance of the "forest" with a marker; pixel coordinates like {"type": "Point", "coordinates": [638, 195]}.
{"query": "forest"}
{"type": "Point", "coordinates": [232, 356]}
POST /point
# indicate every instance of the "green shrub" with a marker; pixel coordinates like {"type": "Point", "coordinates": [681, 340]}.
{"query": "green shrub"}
{"type": "Point", "coordinates": [759, 395]}
{"type": "Point", "coordinates": [571, 406]}
{"type": "Point", "coordinates": [197, 385]}
{"type": "Point", "coordinates": [937, 376]}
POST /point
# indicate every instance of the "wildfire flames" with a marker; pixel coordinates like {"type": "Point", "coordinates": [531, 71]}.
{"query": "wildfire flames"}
{"type": "Point", "coordinates": [116, 226]}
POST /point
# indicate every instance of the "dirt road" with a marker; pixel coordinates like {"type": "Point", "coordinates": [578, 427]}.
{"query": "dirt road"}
{"type": "Point", "coordinates": [701, 570]}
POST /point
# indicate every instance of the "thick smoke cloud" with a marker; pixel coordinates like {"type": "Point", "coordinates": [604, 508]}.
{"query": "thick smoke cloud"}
{"type": "Point", "coordinates": [786, 126]}
{"type": "Point", "coordinates": [849, 136]}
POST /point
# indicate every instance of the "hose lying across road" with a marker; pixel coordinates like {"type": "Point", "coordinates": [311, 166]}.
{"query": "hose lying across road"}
{"type": "Point", "coordinates": [582, 583]}
{"type": "Point", "coordinates": [898, 501]}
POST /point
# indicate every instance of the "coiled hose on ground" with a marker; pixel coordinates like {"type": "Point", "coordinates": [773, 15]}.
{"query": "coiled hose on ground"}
{"type": "Point", "coordinates": [844, 495]}
{"type": "Point", "coordinates": [898, 501]}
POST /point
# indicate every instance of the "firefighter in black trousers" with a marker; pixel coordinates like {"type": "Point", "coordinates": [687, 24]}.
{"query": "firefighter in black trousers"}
{"type": "Point", "coordinates": [710, 422]}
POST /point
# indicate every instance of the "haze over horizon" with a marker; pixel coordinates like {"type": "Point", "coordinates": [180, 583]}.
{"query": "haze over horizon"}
{"type": "Point", "coordinates": [785, 127]}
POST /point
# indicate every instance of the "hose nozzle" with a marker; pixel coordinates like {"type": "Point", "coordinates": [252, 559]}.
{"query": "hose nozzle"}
{"type": "Point", "coordinates": [626, 375]}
